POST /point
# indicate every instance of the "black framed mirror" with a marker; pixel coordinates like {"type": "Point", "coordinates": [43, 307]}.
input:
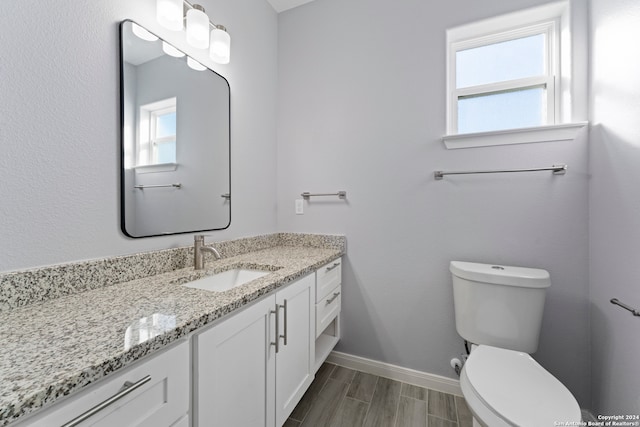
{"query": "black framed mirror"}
{"type": "Point", "coordinates": [175, 141]}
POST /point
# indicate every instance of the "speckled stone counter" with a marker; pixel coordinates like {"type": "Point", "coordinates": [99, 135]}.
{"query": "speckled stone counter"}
{"type": "Point", "coordinates": [56, 347]}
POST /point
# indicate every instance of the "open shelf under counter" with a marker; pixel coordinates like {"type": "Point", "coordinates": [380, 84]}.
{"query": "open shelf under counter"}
{"type": "Point", "coordinates": [326, 342]}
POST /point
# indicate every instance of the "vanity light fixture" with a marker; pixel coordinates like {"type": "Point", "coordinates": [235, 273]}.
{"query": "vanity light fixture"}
{"type": "Point", "coordinates": [197, 27]}
{"type": "Point", "coordinates": [220, 49]}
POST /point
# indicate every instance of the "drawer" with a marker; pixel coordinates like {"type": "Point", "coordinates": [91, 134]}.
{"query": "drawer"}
{"type": "Point", "coordinates": [328, 309]}
{"type": "Point", "coordinates": [327, 278]}
{"type": "Point", "coordinates": [159, 396]}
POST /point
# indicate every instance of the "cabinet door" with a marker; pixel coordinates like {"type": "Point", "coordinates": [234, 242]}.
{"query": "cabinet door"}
{"type": "Point", "coordinates": [296, 356]}
{"type": "Point", "coordinates": [234, 373]}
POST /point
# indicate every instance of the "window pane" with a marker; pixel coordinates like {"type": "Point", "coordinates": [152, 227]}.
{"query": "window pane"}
{"type": "Point", "coordinates": [166, 152]}
{"type": "Point", "coordinates": [166, 125]}
{"type": "Point", "coordinates": [509, 60]}
{"type": "Point", "coordinates": [504, 110]}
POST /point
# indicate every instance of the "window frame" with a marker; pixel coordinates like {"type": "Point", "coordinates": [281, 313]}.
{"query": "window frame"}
{"type": "Point", "coordinates": [146, 151]}
{"type": "Point", "coordinates": [482, 37]}
{"type": "Point", "coordinates": [571, 85]}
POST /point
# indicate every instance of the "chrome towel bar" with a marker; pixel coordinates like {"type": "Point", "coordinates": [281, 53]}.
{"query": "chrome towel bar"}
{"type": "Point", "coordinates": [142, 187]}
{"type": "Point", "coordinates": [556, 169]}
{"type": "Point", "coordinates": [341, 194]}
{"type": "Point", "coordinates": [633, 311]}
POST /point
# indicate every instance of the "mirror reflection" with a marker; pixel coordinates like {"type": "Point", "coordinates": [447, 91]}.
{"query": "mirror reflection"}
{"type": "Point", "coordinates": [175, 139]}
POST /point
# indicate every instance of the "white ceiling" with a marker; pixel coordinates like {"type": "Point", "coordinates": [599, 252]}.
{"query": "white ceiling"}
{"type": "Point", "coordinates": [282, 5]}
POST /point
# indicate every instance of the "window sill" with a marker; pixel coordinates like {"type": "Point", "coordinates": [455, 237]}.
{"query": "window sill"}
{"type": "Point", "coordinates": [563, 132]}
{"type": "Point", "coordinates": [161, 167]}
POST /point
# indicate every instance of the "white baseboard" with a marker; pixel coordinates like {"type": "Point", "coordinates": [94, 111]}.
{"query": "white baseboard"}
{"type": "Point", "coordinates": [398, 373]}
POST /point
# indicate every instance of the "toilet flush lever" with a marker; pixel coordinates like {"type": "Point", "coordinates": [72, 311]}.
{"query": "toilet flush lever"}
{"type": "Point", "coordinates": [625, 306]}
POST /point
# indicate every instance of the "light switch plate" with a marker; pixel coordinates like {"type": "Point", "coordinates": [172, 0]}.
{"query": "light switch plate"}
{"type": "Point", "coordinates": [299, 207]}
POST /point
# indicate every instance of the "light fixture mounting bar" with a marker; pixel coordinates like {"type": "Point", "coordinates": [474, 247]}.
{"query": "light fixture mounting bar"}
{"type": "Point", "coordinates": [188, 6]}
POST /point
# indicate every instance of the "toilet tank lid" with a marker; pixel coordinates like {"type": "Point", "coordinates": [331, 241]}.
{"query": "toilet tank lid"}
{"type": "Point", "coordinates": [501, 274]}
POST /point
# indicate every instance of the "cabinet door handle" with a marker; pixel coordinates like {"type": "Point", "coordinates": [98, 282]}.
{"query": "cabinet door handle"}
{"type": "Point", "coordinates": [330, 300]}
{"type": "Point", "coordinates": [285, 322]}
{"type": "Point", "coordinates": [127, 388]}
{"type": "Point", "coordinates": [335, 264]}
{"type": "Point", "coordinates": [277, 313]}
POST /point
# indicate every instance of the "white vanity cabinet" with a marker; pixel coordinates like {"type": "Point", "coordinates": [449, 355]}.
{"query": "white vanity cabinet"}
{"type": "Point", "coordinates": [154, 392]}
{"type": "Point", "coordinates": [252, 368]}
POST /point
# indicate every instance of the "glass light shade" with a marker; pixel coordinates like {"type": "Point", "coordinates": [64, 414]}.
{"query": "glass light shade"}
{"type": "Point", "coordinates": [220, 49]}
{"type": "Point", "coordinates": [169, 14]}
{"type": "Point", "coordinates": [142, 33]}
{"type": "Point", "coordinates": [197, 28]}
{"type": "Point", "coordinates": [195, 65]}
{"type": "Point", "coordinates": [171, 51]}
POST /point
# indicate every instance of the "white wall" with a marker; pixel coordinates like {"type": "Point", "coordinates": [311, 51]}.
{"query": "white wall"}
{"type": "Point", "coordinates": [60, 126]}
{"type": "Point", "coordinates": [361, 108]}
{"type": "Point", "coordinates": [615, 204]}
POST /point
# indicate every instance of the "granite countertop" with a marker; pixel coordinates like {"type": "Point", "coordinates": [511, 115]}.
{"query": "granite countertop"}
{"type": "Point", "coordinates": [57, 347]}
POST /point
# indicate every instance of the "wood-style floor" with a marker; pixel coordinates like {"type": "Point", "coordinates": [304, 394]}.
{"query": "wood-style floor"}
{"type": "Point", "coordinates": [343, 397]}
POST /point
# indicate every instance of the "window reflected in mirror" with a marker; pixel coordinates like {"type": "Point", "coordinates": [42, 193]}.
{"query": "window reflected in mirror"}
{"type": "Point", "coordinates": [158, 136]}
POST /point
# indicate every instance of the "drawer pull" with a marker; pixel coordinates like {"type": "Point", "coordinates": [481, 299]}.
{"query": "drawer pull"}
{"type": "Point", "coordinates": [335, 264]}
{"type": "Point", "coordinates": [127, 388]}
{"type": "Point", "coordinates": [335, 295]}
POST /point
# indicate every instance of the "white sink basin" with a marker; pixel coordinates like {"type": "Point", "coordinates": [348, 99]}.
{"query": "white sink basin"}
{"type": "Point", "coordinates": [226, 280]}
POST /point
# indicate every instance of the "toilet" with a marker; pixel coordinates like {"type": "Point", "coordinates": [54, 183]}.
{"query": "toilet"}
{"type": "Point", "coordinates": [498, 310]}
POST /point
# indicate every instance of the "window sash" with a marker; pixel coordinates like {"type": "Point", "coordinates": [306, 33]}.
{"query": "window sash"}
{"type": "Point", "coordinates": [547, 83]}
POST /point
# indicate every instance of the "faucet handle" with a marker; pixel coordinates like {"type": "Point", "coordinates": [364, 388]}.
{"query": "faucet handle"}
{"type": "Point", "coordinates": [198, 238]}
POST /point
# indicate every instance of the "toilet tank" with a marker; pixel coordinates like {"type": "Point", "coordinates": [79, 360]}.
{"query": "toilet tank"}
{"type": "Point", "coordinates": [498, 305]}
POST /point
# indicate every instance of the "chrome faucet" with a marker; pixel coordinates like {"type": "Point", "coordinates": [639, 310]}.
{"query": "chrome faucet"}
{"type": "Point", "coordinates": [198, 252]}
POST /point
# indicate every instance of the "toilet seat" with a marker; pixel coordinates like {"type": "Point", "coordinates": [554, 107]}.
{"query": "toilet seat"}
{"type": "Point", "coordinates": [509, 388]}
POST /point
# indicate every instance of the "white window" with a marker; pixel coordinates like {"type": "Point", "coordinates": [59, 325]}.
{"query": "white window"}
{"type": "Point", "coordinates": [508, 72]}
{"type": "Point", "coordinates": [157, 133]}
{"type": "Point", "coordinates": [504, 80]}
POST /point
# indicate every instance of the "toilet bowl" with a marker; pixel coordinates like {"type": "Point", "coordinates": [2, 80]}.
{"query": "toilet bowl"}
{"type": "Point", "coordinates": [509, 388]}
{"type": "Point", "coordinates": [500, 308]}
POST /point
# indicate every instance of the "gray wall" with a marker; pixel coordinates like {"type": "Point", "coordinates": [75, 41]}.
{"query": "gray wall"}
{"type": "Point", "coordinates": [615, 204]}
{"type": "Point", "coordinates": [361, 108]}
{"type": "Point", "coordinates": [60, 125]}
